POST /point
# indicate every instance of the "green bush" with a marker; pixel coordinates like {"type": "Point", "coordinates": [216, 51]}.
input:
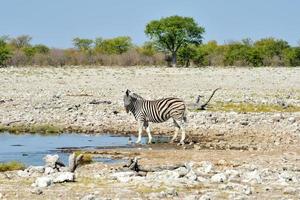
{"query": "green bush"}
{"type": "Point", "coordinates": [116, 45]}
{"type": "Point", "coordinates": [10, 166]}
{"type": "Point", "coordinates": [5, 53]}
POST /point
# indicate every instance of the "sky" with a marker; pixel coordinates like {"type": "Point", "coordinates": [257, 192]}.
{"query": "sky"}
{"type": "Point", "coordinates": [56, 22]}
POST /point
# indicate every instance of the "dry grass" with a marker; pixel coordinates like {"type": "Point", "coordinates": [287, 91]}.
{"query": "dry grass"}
{"type": "Point", "coordinates": [10, 166]}
{"type": "Point", "coordinates": [250, 107]}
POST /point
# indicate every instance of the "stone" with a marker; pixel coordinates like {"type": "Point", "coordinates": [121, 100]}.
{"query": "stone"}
{"type": "Point", "coordinates": [49, 170]}
{"type": "Point", "coordinates": [287, 176]}
{"type": "Point", "coordinates": [207, 196]}
{"type": "Point", "coordinates": [36, 169]}
{"type": "Point", "coordinates": [292, 119]}
{"type": "Point", "coordinates": [43, 182]}
{"type": "Point", "coordinates": [219, 178]}
{"type": "Point", "coordinates": [171, 192]}
{"type": "Point", "coordinates": [89, 197]}
{"type": "Point", "coordinates": [277, 117]}
{"type": "Point", "coordinates": [232, 174]}
{"type": "Point", "coordinates": [290, 190]}
{"type": "Point", "coordinates": [37, 191]}
{"type": "Point", "coordinates": [182, 171]}
{"type": "Point", "coordinates": [61, 177]}
{"type": "Point", "coordinates": [203, 167]}
{"type": "Point", "coordinates": [123, 177]}
{"type": "Point", "coordinates": [191, 175]}
{"type": "Point", "coordinates": [247, 190]}
{"type": "Point", "coordinates": [252, 177]}
{"type": "Point", "coordinates": [23, 174]}
{"type": "Point", "coordinates": [51, 160]}
{"type": "Point", "coordinates": [1, 195]}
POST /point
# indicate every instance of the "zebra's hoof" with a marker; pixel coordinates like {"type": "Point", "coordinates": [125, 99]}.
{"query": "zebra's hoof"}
{"type": "Point", "coordinates": [138, 142]}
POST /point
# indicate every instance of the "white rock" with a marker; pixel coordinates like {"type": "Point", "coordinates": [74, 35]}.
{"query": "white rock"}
{"type": "Point", "coordinates": [37, 191]}
{"type": "Point", "coordinates": [207, 196]}
{"type": "Point", "coordinates": [232, 174]}
{"type": "Point", "coordinates": [204, 168]}
{"type": "Point", "coordinates": [61, 177]}
{"type": "Point", "coordinates": [171, 192]}
{"type": "Point", "coordinates": [43, 181]}
{"type": "Point", "coordinates": [1, 195]}
{"type": "Point", "coordinates": [252, 177]}
{"type": "Point", "coordinates": [247, 190]}
{"type": "Point", "coordinates": [290, 190]}
{"type": "Point", "coordinates": [49, 170]}
{"type": "Point", "coordinates": [287, 177]}
{"type": "Point", "coordinates": [219, 178]}
{"type": "Point", "coordinates": [182, 171]}
{"type": "Point", "coordinates": [50, 160]}
{"type": "Point", "coordinates": [23, 174]}
{"type": "Point", "coordinates": [36, 169]}
{"type": "Point", "coordinates": [123, 177]}
{"type": "Point", "coordinates": [191, 176]}
{"type": "Point", "coordinates": [89, 197]}
{"type": "Point", "coordinates": [292, 119]}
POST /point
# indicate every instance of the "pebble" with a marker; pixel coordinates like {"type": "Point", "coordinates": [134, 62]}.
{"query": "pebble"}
{"type": "Point", "coordinates": [219, 178]}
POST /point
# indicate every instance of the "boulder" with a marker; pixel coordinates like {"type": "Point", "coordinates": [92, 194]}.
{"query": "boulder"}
{"type": "Point", "coordinates": [43, 182]}
{"type": "Point", "coordinates": [61, 177]}
{"type": "Point", "coordinates": [51, 160]}
{"type": "Point", "coordinates": [219, 178]}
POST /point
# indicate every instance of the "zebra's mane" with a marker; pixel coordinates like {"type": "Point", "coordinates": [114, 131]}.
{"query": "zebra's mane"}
{"type": "Point", "coordinates": [134, 95]}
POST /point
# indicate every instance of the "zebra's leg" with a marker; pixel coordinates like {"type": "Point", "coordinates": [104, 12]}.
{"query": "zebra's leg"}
{"type": "Point", "coordinates": [176, 131]}
{"type": "Point", "coordinates": [147, 126]}
{"type": "Point", "coordinates": [182, 128]}
{"type": "Point", "coordinates": [140, 124]}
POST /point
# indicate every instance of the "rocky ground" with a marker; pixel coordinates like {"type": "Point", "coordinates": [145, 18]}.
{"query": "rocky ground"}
{"type": "Point", "coordinates": [231, 154]}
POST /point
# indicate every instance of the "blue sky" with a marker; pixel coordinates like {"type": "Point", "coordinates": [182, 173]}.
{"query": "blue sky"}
{"type": "Point", "coordinates": [56, 22]}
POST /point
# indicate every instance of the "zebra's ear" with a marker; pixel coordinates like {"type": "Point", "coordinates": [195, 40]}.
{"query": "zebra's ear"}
{"type": "Point", "coordinates": [127, 92]}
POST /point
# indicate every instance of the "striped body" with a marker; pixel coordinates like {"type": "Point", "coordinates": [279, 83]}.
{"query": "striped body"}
{"type": "Point", "coordinates": [158, 111]}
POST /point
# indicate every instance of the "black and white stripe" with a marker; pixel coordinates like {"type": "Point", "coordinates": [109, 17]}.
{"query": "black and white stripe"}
{"type": "Point", "coordinates": [156, 111]}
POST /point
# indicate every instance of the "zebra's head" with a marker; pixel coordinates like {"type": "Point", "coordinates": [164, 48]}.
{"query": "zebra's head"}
{"type": "Point", "coordinates": [129, 99]}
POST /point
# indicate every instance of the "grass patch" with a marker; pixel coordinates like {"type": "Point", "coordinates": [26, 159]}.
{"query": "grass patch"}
{"type": "Point", "coordinates": [249, 107]}
{"type": "Point", "coordinates": [35, 128]}
{"type": "Point", "coordinates": [86, 159]}
{"type": "Point", "coordinates": [10, 166]}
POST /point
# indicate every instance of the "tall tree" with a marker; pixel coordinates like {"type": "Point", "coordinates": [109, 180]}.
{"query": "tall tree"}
{"type": "Point", "coordinates": [174, 32]}
{"type": "Point", "coordinates": [21, 41]}
{"type": "Point", "coordinates": [82, 44]}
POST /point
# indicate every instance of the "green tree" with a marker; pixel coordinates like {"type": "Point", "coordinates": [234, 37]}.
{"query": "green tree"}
{"type": "Point", "coordinates": [42, 49]}
{"type": "Point", "coordinates": [147, 49]}
{"type": "Point", "coordinates": [21, 41]}
{"type": "Point", "coordinates": [116, 45]}
{"type": "Point", "coordinates": [292, 56]}
{"type": "Point", "coordinates": [82, 44]}
{"type": "Point", "coordinates": [271, 50]}
{"type": "Point", "coordinates": [5, 53]}
{"type": "Point", "coordinates": [186, 54]}
{"type": "Point", "coordinates": [174, 32]}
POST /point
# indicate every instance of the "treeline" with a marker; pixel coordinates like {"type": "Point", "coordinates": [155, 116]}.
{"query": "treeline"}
{"type": "Point", "coordinates": [120, 51]}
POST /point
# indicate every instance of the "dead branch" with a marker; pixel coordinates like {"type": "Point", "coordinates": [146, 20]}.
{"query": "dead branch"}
{"type": "Point", "coordinates": [134, 166]}
{"type": "Point", "coordinates": [203, 106]}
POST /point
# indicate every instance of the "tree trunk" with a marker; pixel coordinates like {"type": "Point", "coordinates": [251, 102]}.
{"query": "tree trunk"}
{"type": "Point", "coordinates": [174, 59]}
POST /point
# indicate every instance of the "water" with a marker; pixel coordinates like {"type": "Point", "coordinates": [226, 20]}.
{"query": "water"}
{"type": "Point", "coordinates": [31, 148]}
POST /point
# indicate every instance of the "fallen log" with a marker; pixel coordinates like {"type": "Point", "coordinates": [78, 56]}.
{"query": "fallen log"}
{"type": "Point", "coordinates": [134, 166]}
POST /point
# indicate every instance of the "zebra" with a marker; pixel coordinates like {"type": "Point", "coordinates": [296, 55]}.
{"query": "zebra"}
{"type": "Point", "coordinates": [156, 111]}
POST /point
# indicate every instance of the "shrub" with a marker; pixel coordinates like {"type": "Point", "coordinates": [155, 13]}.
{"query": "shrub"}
{"type": "Point", "coordinates": [116, 45]}
{"type": "Point", "coordinates": [5, 53]}
{"type": "Point", "coordinates": [10, 166]}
